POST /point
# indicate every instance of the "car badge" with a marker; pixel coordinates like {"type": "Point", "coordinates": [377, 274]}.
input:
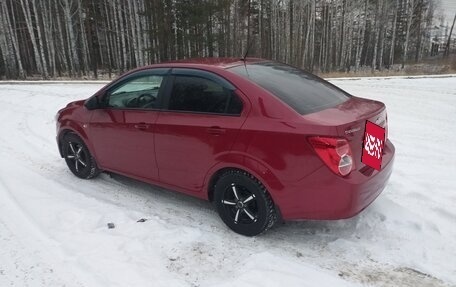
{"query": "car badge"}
{"type": "Point", "coordinates": [350, 131]}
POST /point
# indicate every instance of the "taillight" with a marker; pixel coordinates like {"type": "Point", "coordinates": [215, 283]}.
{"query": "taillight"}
{"type": "Point", "coordinates": [335, 153]}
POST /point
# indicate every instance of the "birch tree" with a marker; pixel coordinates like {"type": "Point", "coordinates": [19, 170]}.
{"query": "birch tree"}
{"type": "Point", "coordinates": [51, 38]}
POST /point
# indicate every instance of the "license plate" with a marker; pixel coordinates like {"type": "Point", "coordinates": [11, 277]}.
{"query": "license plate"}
{"type": "Point", "coordinates": [373, 143]}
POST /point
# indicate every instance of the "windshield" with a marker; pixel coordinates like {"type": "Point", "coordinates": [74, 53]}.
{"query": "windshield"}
{"type": "Point", "coordinates": [302, 91]}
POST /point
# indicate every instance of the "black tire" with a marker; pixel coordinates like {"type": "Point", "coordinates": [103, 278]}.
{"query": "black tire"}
{"type": "Point", "coordinates": [243, 203]}
{"type": "Point", "coordinates": [78, 158]}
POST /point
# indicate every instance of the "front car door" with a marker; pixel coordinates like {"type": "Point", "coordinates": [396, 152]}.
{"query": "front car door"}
{"type": "Point", "coordinates": [200, 120]}
{"type": "Point", "coordinates": [123, 131]}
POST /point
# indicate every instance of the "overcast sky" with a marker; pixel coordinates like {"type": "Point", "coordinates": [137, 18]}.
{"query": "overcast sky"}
{"type": "Point", "coordinates": [449, 8]}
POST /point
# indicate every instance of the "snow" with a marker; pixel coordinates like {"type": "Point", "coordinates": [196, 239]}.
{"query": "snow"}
{"type": "Point", "coordinates": [53, 226]}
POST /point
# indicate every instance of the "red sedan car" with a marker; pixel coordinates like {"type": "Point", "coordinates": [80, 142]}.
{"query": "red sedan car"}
{"type": "Point", "coordinates": [260, 139]}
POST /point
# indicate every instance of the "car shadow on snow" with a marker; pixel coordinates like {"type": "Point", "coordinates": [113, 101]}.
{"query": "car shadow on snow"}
{"type": "Point", "coordinates": [189, 207]}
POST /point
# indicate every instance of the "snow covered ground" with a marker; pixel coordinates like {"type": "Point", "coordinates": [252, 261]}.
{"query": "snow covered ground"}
{"type": "Point", "coordinates": [53, 226]}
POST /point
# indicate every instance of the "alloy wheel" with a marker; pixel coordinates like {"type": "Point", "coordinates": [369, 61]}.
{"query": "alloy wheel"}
{"type": "Point", "coordinates": [76, 155]}
{"type": "Point", "coordinates": [241, 204]}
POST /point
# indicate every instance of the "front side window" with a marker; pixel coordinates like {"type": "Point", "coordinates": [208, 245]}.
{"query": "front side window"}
{"type": "Point", "coordinates": [197, 94]}
{"type": "Point", "coordinates": [140, 93]}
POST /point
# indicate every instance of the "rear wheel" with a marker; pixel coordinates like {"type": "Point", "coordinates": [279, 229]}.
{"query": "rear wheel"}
{"type": "Point", "coordinates": [243, 203]}
{"type": "Point", "coordinates": [78, 158]}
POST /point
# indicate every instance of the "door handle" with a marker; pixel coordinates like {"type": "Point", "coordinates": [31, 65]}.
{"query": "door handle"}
{"type": "Point", "coordinates": [216, 131]}
{"type": "Point", "coordinates": [141, 126]}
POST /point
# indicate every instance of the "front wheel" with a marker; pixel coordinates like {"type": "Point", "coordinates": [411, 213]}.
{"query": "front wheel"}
{"type": "Point", "coordinates": [78, 158]}
{"type": "Point", "coordinates": [243, 203]}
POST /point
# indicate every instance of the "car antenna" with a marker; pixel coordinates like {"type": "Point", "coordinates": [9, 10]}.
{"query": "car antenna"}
{"type": "Point", "coordinates": [249, 43]}
{"type": "Point", "coordinates": [243, 59]}
{"type": "Point", "coordinates": [246, 52]}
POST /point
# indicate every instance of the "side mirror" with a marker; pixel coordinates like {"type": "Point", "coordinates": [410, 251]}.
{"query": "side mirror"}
{"type": "Point", "coordinates": [92, 103]}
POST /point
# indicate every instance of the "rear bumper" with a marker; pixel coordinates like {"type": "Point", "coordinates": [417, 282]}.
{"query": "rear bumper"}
{"type": "Point", "coordinates": [325, 196]}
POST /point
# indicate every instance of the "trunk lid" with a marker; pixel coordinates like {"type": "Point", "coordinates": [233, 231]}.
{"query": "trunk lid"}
{"type": "Point", "coordinates": [349, 119]}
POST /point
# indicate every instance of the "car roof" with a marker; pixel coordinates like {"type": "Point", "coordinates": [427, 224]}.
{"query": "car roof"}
{"type": "Point", "coordinates": [219, 62]}
{"type": "Point", "coordinates": [222, 63]}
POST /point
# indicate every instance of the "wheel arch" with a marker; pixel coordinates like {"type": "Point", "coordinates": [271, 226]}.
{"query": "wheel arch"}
{"type": "Point", "coordinates": [252, 167]}
{"type": "Point", "coordinates": [71, 127]}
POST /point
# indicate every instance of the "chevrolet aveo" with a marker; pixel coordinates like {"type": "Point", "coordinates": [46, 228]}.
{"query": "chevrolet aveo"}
{"type": "Point", "coordinates": [261, 140]}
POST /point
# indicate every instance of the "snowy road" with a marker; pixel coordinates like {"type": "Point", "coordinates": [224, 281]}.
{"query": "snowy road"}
{"type": "Point", "coordinates": [53, 226]}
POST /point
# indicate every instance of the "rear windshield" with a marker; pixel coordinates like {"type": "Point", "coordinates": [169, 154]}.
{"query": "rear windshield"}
{"type": "Point", "coordinates": [302, 91]}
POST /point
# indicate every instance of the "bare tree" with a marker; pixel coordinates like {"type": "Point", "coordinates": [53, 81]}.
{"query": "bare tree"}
{"type": "Point", "coordinates": [72, 37]}
{"type": "Point", "coordinates": [12, 45]}
{"type": "Point", "coordinates": [447, 49]}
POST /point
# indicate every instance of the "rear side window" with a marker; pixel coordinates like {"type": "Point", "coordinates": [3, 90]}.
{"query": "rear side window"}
{"type": "Point", "coordinates": [302, 91]}
{"type": "Point", "coordinates": [197, 94]}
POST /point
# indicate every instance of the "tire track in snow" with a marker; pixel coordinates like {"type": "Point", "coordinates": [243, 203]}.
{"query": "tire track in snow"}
{"type": "Point", "coordinates": [31, 246]}
{"type": "Point", "coordinates": [21, 260]}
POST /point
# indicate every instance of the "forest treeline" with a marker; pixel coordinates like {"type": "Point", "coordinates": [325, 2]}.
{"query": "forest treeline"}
{"type": "Point", "coordinates": [81, 38]}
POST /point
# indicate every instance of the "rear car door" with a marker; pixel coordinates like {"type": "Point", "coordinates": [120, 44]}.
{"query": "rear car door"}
{"type": "Point", "coordinates": [123, 131]}
{"type": "Point", "coordinates": [200, 121]}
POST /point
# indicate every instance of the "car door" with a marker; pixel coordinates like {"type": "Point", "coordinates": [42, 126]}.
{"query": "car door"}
{"type": "Point", "coordinates": [123, 131]}
{"type": "Point", "coordinates": [200, 121]}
